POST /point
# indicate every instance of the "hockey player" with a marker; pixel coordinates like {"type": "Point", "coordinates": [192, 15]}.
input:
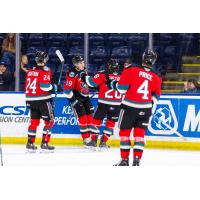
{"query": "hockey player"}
{"type": "Point", "coordinates": [108, 102]}
{"type": "Point", "coordinates": [38, 89]}
{"type": "Point", "coordinates": [141, 86]}
{"type": "Point", "coordinates": [77, 93]}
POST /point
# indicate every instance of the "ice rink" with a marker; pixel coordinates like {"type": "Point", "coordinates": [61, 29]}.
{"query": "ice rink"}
{"type": "Point", "coordinates": [78, 156]}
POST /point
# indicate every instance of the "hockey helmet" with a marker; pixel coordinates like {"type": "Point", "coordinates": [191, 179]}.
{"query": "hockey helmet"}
{"type": "Point", "coordinates": [112, 66]}
{"type": "Point", "coordinates": [149, 57]}
{"type": "Point", "coordinates": [76, 60]}
{"type": "Point", "coordinates": [41, 57]}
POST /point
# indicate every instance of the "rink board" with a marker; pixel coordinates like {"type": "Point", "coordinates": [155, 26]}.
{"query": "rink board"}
{"type": "Point", "coordinates": [175, 114]}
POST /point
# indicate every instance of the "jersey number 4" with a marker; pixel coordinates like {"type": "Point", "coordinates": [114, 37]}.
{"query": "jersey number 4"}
{"type": "Point", "coordinates": [143, 89]}
{"type": "Point", "coordinates": [31, 85]}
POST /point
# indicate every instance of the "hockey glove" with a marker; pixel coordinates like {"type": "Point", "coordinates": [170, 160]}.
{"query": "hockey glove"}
{"type": "Point", "coordinates": [112, 84]}
{"type": "Point", "coordinates": [83, 76]}
{"type": "Point", "coordinates": [73, 101]}
{"type": "Point", "coordinates": [55, 88]}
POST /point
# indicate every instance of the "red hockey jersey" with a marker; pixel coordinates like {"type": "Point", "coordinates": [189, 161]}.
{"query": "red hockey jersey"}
{"type": "Point", "coordinates": [38, 84]}
{"type": "Point", "coordinates": [75, 86]}
{"type": "Point", "coordinates": [140, 85]}
{"type": "Point", "coordinates": [106, 95]}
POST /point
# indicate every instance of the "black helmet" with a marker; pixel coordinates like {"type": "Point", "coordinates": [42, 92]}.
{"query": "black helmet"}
{"type": "Point", "coordinates": [41, 57]}
{"type": "Point", "coordinates": [149, 57]}
{"type": "Point", "coordinates": [112, 66]}
{"type": "Point", "coordinates": [76, 60]}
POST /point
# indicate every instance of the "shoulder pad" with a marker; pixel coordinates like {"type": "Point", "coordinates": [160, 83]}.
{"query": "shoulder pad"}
{"type": "Point", "coordinates": [101, 72]}
{"type": "Point", "coordinates": [72, 74]}
{"type": "Point", "coordinates": [46, 68]}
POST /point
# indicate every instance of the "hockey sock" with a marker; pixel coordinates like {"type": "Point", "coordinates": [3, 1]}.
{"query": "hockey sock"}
{"type": "Point", "coordinates": [83, 126]}
{"type": "Point", "coordinates": [108, 131]}
{"type": "Point", "coordinates": [89, 121]}
{"type": "Point", "coordinates": [47, 131]}
{"type": "Point", "coordinates": [125, 143]}
{"type": "Point", "coordinates": [95, 129]}
{"type": "Point", "coordinates": [32, 129]}
{"type": "Point", "coordinates": [139, 142]}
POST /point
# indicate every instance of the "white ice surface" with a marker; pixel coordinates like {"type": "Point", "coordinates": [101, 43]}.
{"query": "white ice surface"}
{"type": "Point", "coordinates": [78, 156]}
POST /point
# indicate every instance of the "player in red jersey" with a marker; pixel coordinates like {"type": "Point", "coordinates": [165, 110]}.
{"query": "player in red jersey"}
{"type": "Point", "coordinates": [142, 88]}
{"type": "Point", "coordinates": [38, 88]}
{"type": "Point", "coordinates": [77, 93]}
{"type": "Point", "coordinates": [109, 101]}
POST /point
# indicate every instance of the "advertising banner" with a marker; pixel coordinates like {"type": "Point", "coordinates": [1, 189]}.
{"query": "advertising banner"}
{"type": "Point", "coordinates": [174, 115]}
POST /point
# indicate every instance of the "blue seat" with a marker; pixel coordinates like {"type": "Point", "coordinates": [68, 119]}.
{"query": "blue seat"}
{"type": "Point", "coordinates": [137, 36]}
{"type": "Point", "coordinates": [76, 50]}
{"type": "Point", "coordinates": [36, 39]}
{"type": "Point", "coordinates": [97, 60]}
{"type": "Point", "coordinates": [57, 36]}
{"type": "Point", "coordinates": [118, 36]}
{"type": "Point", "coordinates": [92, 68]}
{"type": "Point", "coordinates": [52, 51]}
{"type": "Point", "coordinates": [188, 48]}
{"type": "Point", "coordinates": [24, 36]}
{"type": "Point", "coordinates": [96, 36]}
{"type": "Point", "coordinates": [76, 36]}
{"type": "Point", "coordinates": [33, 50]}
{"type": "Point", "coordinates": [186, 36]}
{"type": "Point", "coordinates": [56, 39]}
{"type": "Point", "coordinates": [121, 51]}
{"type": "Point", "coordinates": [36, 36]}
{"type": "Point", "coordinates": [98, 51]}
{"type": "Point", "coordinates": [138, 47]}
{"type": "Point", "coordinates": [170, 51]}
{"type": "Point", "coordinates": [166, 36]}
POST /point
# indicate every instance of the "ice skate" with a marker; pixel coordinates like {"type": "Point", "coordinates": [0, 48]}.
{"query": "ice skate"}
{"type": "Point", "coordinates": [136, 162]}
{"type": "Point", "coordinates": [46, 148]}
{"type": "Point", "coordinates": [92, 144]}
{"type": "Point", "coordinates": [123, 162]}
{"type": "Point", "coordinates": [103, 145]}
{"type": "Point", "coordinates": [31, 148]}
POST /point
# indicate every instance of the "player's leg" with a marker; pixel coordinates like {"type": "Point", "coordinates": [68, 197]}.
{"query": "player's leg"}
{"type": "Point", "coordinates": [112, 118]}
{"type": "Point", "coordinates": [80, 114]}
{"type": "Point", "coordinates": [100, 113]}
{"type": "Point", "coordinates": [47, 115]}
{"type": "Point", "coordinates": [141, 125]}
{"type": "Point", "coordinates": [125, 124]}
{"type": "Point", "coordinates": [32, 129]}
{"type": "Point", "coordinates": [89, 110]}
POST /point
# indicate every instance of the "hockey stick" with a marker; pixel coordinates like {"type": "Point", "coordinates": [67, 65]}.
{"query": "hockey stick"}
{"type": "Point", "coordinates": [1, 153]}
{"type": "Point", "coordinates": [176, 132]}
{"type": "Point", "coordinates": [62, 60]}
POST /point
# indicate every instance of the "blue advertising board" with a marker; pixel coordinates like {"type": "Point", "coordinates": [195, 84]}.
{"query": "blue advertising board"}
{"type": "Point", "coordinates": [176, 115]}
{"type": "Point", "coordinates": [173, 115]}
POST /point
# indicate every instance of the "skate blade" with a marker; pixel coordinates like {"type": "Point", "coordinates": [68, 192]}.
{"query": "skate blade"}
{"type": "Point", "coordinates": [92, 148]}
{"type": "Point", "coordinates": [103, 149]}
{"type": "Point", "coordinates": [31, 151]}
{"type": "Point", "coordinates": [45, 151]}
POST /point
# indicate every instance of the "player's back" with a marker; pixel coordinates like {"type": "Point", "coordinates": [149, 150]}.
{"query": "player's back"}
{"type": "Point", "coordinates": [106, 95]}
{"type": "Point", "coordinates": [142, 84]}
{"type": "Point", "coordinates": [37, 84]}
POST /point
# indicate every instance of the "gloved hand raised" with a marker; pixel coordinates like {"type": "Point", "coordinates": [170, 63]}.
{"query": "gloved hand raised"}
{"type": "Point", "coordinates": [83, 75]}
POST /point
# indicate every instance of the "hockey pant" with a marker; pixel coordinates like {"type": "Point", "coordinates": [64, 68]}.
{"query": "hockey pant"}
{"type": "Point", "coordinates": [44, 111]}
{"type": "Point", "coordinates": [83, 112]}
{"type": "Point", "coordinates": [130, 118]}
{"type": "Point", "coordinates": [102, 111]}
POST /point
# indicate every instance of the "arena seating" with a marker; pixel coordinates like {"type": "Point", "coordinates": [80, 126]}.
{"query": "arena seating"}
{"type": "Point", "coordinates": [170, 47]}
